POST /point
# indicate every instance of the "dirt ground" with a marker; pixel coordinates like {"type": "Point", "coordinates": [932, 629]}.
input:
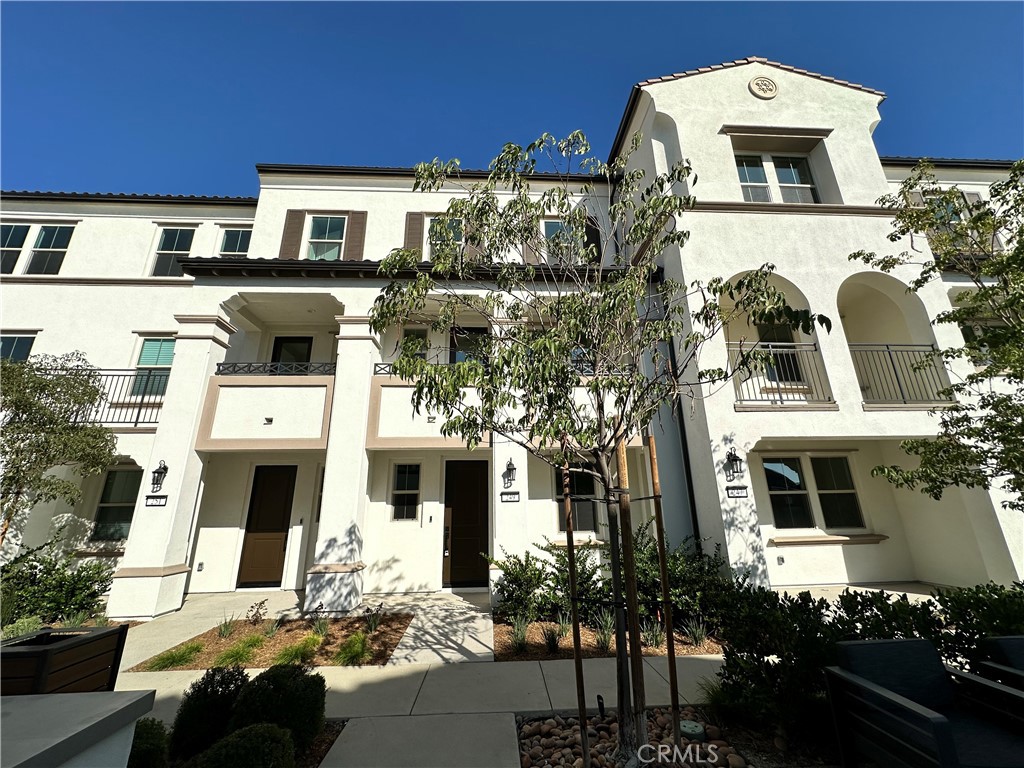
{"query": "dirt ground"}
{"type": "Point", "coordinates": [536, 650]}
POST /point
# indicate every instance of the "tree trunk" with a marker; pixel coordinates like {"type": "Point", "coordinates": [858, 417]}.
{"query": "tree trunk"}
{"type": "Point", "coordinates": [628, 744]}
{"type": "Point", "coordinates": [577, 650]}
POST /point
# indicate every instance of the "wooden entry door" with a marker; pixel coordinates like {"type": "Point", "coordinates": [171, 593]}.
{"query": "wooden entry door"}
{"type": "Point", "coordinates": [466, 530]}
{"type": "Point", "coordinates": [266, 529]}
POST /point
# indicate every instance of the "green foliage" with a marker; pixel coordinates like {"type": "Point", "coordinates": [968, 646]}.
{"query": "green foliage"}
{"type": "Point", "coordinates": [255, 746]}
{"type": "Point", "coordinates": [980, 442]}
{"type": "Point", "coordinates": [149, 745]}
{"type": "Point", "coordinates": [551, 635]}
{"type": "Point", "coordinates": [521, 579]}
{"type": "Point", "coordinates": [174, 657]}
{"type": "Point", "coordinates": [321, 626]}
{"type": "Point", "coordinates": [301, 652]}
{"type": "Point", "coordinates": [373, 618]}
{"type": "Point", "coordinates": [355, 650]}
{"type": "Point", "coordinates": [226, 626]}
{"type": "Point", "coordinates": [605, 629]}
{"type": "Point", "coordinates": [101, 620]}
{"type": "Point", "coordinates": [970, 614]}
{"type": "Point", "coordinates": [520, 626]}
{"type": "Point", "coordinates": [241, 653]}
{"type": "Point", "coordinates": [75, 619]}
{"type": "Point", "coordinates": [564, 624]}
{"type": "Point", "coordinates": [271, 629]}
{"type": "Point", "coordinates": [289, 696]}
{"type": "Point", "coordinates": [256, 613]}
{"type": "Point", "coordinates": [696, 631]}
{"type": "Point", "coordinates": [45, 402]}
{"type": "Point", "coordinates": [591, 590]}
{"type": "Point", "coordinates": [205, 711]}
{"type": "Point", "coordinates": [23, 626]}
{"type": "Point", "coordinates": [50, 583]}
{"type": "Point", "coordinates": [652, 633]}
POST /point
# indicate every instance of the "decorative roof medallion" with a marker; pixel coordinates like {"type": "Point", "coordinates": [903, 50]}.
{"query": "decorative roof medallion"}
{"type": "Point", "coordinates": [763, 87]}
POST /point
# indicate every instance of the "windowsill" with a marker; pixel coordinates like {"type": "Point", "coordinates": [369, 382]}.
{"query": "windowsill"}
{"type": "Point", "coordinates": [923, 406]}
{"type": "Point", "coordinates": [833, 539]}
{"type": "Point", "coordinates": [103, 549]}
{"type": "Point", "coordinates": [578, 542]}
{"type": "Point", "coordinates": [823, 406]}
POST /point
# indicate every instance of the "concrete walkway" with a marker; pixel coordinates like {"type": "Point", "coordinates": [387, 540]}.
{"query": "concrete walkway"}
{"type": "Point", "coordinates": [445, 628]}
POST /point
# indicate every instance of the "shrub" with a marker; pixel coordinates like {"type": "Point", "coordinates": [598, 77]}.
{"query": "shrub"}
{"type": "Point", "coordinates": [75, 619]}
{"type": "Point", "coordinates": [255, 746]}
{"type": "Point", "coordinates": [355, 650]}
{"type": "Point", "coordinates": [22, 626]}
{"type": "Point", "coordinates": [605, 630]}
{"type": "Point", "coordinates": [240, 653]}
{"type": "Point", "coordinates": [289, 696]}
{"type": "Point", "coordinates": [564, 624]}
{"type": "Point", "coordinates": [652, 633]}
{"type": "Point", "coordinates": [149, 745]}
{"type": "Point", "coordinates": [272, 627]}
{"type": "Point", "coordinates": [591, 590]}
{"type": "Point", "coordinates": [257, 613]}
{"type": "Point", "coordinates": [174, 657]}
{"type": "Point", "coordinates": [101, 620]}
{"type": "Point", "coordinates": [520, 626]}
{"type": "Point", "coordinates": [51, 584]}
{"type": "Point", "coordinates": [696, 631]}
{"type": "Point", "coordinates": [373, 617]}
{"type": "Point", "coordinates": [970, 614]}
{"type": "Point", "coordinates": [226, 626]}
{"type": "Point", "coordinates": [551, 637]}
{"type": "Point", "coordinates": [301, 652]}
{"type": "Point", "coordinates": [521, 578]}
{"type": "Point", "coordinates": [205, 711]}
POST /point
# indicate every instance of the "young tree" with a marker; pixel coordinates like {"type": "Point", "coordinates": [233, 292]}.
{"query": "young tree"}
{"type": "Point", "coordinates": [980, 442]}
{"type": "Point", "coordinates": [588, 341]}
{"type": "Point", "coordinates": [45, 402]}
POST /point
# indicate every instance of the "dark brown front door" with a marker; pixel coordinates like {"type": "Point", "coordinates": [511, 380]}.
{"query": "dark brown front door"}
{"type": "Point", "coordinates": [266, 529]}
{"type": "Point", "coordinates": [466, 503]}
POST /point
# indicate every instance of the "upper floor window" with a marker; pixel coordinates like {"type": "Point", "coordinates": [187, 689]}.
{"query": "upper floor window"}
{"type": "Point", "coordinates": [468, 344]}
{"type": "Point", "coordinates": [235, 242]}
{"type": "Point", "coordinates": [173, 243]}
{"type": "Point", "coordinates": [583, 489]}
{"type": "Point", "coordinates": [16, 348]}
{"type": "Point", "coordinates": [419, 337]}
{"type": "Point", "coordinates": [443, 233]}
{"type": "Point", "coordinates": [51, 245]}
{"type": "Point", "coordinates": [117, 504]}
{"type": "Point", "coordinates": [154, 367]}
{"type": "Point", "coordinates": [767, 178]}
{"type": "Point", "coordinates": [556, 238]}
{"type": "Point", "coordinates": [326, 238]}
{"type": "Point", "coordinates": [12, 239]}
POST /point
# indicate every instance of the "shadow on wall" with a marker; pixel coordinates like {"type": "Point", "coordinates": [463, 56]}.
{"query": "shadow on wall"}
{"type": "Point", "coordinates": [337, 591]}
{"type": "Point", "coordinates": [745, 547]}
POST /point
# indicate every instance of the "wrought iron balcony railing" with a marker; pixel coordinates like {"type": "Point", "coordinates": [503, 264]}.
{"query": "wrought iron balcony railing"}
{"type": "Point", "coordinates": [896, 374]}
{"type": "Point", "coordinates": [133, 397]}
{"type": "Point", "coordinates": [276, 369]}
{"type": "Point", "coordinates": [794, 373]}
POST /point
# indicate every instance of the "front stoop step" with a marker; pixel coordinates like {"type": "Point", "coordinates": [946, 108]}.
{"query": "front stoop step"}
{"type": "Point", "coordinates": [427, 741]}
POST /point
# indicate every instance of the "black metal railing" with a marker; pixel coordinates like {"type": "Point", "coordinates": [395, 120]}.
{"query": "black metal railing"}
{"type": "Point", "coordinates": [899, 373]}
{"type": "Point", "coordinates": [793, 373]}
{"type": "Point", "coordinates": [133, 397]}
{"type": "Point", "coordinates": [276, 369]}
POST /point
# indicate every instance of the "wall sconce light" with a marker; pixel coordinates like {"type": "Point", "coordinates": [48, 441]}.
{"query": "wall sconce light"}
{"type": "Point", "coordinates": [510, 474]}
{"type": "Point", "coordinates": [733, 464]}
{"type": "Point", "coordinates": [158, 476]}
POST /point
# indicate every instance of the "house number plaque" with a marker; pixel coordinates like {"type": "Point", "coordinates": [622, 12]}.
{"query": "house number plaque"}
{"type": "Point", "coordinates": [156, 501]}
{"type": "Point", "coordinates": [736, 491]}
{"type": "Point", "coordinates": [510, 495]}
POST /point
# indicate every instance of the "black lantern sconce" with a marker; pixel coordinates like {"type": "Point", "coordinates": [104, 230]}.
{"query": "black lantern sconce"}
{"type": "Point", "coordinates": [510, 474]}
{"type": "Point", "coordinates": [158, 476]}
{"type": "Point", "coordinates": [733, 464]}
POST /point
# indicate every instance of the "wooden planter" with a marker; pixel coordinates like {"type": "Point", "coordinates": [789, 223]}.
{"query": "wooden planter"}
{"type": "Point", "coordinates": [62, 660]}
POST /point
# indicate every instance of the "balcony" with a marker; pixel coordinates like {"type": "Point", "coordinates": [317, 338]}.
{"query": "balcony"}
{"type": "Point", "coordinates": [276, 369]}
{"type": "Point", "coordinates": [899, 374]}
{"type": "Point", "coordinates": [134, 397]}
{"type": "Point", "coordinates": [794, 376]}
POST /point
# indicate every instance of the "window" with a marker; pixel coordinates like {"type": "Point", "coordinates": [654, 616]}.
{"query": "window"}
{"type": "Point", "coordinates": [468, 344]}
{"type": "Point", "coordinates": [326, 238]}
{"type": "Point", "coordinates": [117, 503]}
{"type": "Point", "coordinates": [154, 368]}
{"type": "Point", "coordinates": [836, 494]}
{"type": "Point", "coordinates": [785, 366]}
{"type": "Point", "coordinates": [764, 178]}
{"type": "Point", "coordinates": [443, 233]}
{"type": "Point", "coordinates": [291, 353]}
{"type": "Point", "coordinates": [16, 348]}
{"type": "Point", "coordinates": [48, 254]}
{"type": "Point", "coordinates": [582, 491]}
{"type": "Point", "coordinates": [420, 335]}
{"type": "Point", "coordinates": [559, 245]}
{"type": "Point", "coordinates": [12, 238]}
{"type": "Point", "coordinates": [236, 242]}
{"type": "Point", "coordinates": [173, 243]}
{"type": "Point", "coordinates": [405, 498]}
{"type": "Point", "coordinates": [790, 504]}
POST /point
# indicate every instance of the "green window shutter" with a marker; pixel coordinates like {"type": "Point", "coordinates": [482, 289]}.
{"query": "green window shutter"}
{"type": "Point", "coordinates": [156, 352]}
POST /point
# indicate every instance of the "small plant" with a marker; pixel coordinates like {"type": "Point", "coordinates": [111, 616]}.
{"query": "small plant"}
{"type": "Point", "coordinates": [205, 710]}
{"type": "Point", "coordinates": [287, 696]}
{"type": "Point", "coordinates": [256, 746]}
{"type": "Point", "coordinates": [226, 627]}
{"type": "Point", "coordinates": [149, 745]}
{"type": "Point", "coordinates": [101, 620]}
{"type": "Point", "coordinates": [257, 613]}
{"type": "Point", "coordinates": [552, 635]}
{"type": "Point", "coordinates": [564, 624]}
{"type": "Point", "coordinates": [22, 626]}
{"type": "Point", "coordinates": [241, 653]}
{"type": "Point", "coordinates": [75, 619]}
{"type": "Point", "coordinates": [318, 621]}
{"type": "Point", "coordinates": [271, 628]}
{"type": "Point", "coordinates": [520, 624]}
{"type": "Point", "coordinates": [373, 617]}
{"type": "Point", "coordinates": [301, 652]}
{"type": "Point", "coordinates": [354, 651]}
{"type": "Point", "coordinates": [174, 657]}
{"type": "Point", "coordinates": [605, 630]}
{"type": "Point", "coordinates": [652, 634]}
{"type": "Point", "coordinates": [696, 631]}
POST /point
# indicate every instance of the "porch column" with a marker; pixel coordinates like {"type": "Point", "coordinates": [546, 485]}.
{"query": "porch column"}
{"type": "Point", "coordinates": [151, 578]}
{"type": "Point", "coordinates": [335, 578]}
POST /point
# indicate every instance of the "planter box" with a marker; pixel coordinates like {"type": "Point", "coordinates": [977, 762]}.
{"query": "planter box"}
{"type": "Point", "coordinates": [62, 660]}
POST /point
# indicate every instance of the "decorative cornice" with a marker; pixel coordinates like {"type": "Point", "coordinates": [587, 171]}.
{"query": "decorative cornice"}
{"type": "Point", "coordinates": [149, 282]}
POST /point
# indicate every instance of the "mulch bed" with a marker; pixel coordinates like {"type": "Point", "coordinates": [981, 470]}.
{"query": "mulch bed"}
{"type": "Point", "coordinates": [382, 642]}
{"type": "Point", "coordinates": [536, 649]}
{"type": "Point", "coordinates": [321, 745]}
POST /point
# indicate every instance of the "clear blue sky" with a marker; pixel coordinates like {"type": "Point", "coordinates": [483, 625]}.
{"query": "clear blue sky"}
{"type": "Point", "coordinates": [185, 98]}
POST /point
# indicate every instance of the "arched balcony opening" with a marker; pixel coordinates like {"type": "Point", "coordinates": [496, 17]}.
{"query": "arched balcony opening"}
{"type": "Point", "coordinates": [891, 342]}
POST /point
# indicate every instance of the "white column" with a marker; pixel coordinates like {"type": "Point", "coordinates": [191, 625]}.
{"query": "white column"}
{"type": "Point", "coordinates": [151, 578]}
{"type": "Point", "coordinates": [335, 579]}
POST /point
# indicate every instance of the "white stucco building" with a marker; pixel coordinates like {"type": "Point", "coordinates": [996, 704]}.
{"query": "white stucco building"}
{"type": "Point", "coordinates": [233, 336]}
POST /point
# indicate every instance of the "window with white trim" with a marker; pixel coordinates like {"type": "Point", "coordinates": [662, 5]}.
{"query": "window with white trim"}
{"type": "Point", "coordinates": [769, 178]}
{"type": "Point", "coordinates": [235, 243]}
{"type": "Point", "coordinates": [405, 492]}
{"type": "Point", "coordinates": [443, 233]}
{"type": "Point", "coordinates": [153, 367]}
{"type": "Point", "coordinates": [583, 489]}
{"type": "Point", "coordinates": [16, 348]}
{"type": "Point", "coordinates": [326, 238]}
{"type": "Point", "coordinates": [824, 498]}
{"type": "Point", "coordinates": [836, 494]}
{"type": "Point", "coordinates": [117, 504]}
{"type": "Point", "coordinates": [173, 243]}
{"type": "Point", "coordinates": [12, 240]}
{"type": "Point", "coordinates": [51, 246]}
{"type": "Point", "coordinates": [421, 340]}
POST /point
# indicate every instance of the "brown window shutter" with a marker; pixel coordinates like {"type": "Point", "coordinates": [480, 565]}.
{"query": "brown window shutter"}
{"type": "Point", "coordinates": [413, 231]}
{"type": "Point", "coordinates": [592, 233]}
{"type": "Point", "coordinates": [915, 198]}
{"type": "Point", "coordinates": [355, 236]}
{"type": "Point", "coordinates": [530, 255]}
{"type": "Point", "coordinates": [291, 238]}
